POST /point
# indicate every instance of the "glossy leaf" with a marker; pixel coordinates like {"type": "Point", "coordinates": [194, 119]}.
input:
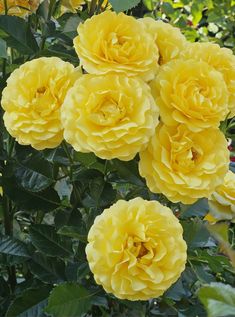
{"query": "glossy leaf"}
{"type": "Point", "coordinates": [69, 299]}
{"type": "Point", "coordinates": [30, 303]}
{"type": "Point", "coordinates": [12, 246]}
{"type": "Point", "coordinates": [47, 269]}
{"type": "Point", "coordinates": [46, 240]}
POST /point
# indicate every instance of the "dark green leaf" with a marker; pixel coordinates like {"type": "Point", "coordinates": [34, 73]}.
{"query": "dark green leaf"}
{"type": "Point", "coordinates": [56, 155]}
{"type": "Point", "coordinates": [46, 240]}
{"type": "Point", "coordinates": [46, 200]}
{"type": "Point", "coordinates": [73, 232]}
{"type": "Point", "coordinates": [19, 35]}
{"type": "Point", "coordinates": [101, 194]}
{"type": "Point", "coordinates": [219, 299]}
{"type": "Point", "coordinates": [12, 246]}
{"type": "Point", "coordinates": [128, 171]}
{"type": "Point", "coordinates": [32, 180]}
{"type": "Point", "coordinates": [47, 269]}
{"type": "Point", "coordinates": [69, 299]}
{"type": "Point", "coordinates": [177, 291]}
{"type": "Point", "coordinates": [29, 304]}
{"type": "Point", "coordinates": [196, 234]}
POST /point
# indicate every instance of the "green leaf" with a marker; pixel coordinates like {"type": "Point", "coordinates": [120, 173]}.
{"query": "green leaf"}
{"type": "Point", "coordinates": [19, 34]}
{"type": "Point", "coordinates": [3, 49]}
{"type": "Point", "coordinates": [123, 5]}
{"type": "Point", "coordinates": [196, 235]}
{"type": "Point", "coordinates": [218, 299]}
{"type": "Point", "coordinates": [46, 240]}
{"type": "Point", "coordinates": [197, 9]}
{"type": "Point", "coordinates": [199, 209]}
{"type": "Point", "coordinates": [30, 303]}
{"type": "Point", "coordinates": [56, 156]}
{"type": "Point", "coordinates": [167, 8]}
{"type": "Point", "coordinates": [32, 180]}
{"type": "Point", "coordinates": [12, 246]}
{"type": "Point", "coordinates": [47, 269]}
{"type": "Point", "coordinates": [128, 171]}
{"type": "Point", "coordinates": [70, 300]}
{"type": "Point", "coordinates": [177, 291]}
{"type": "Point", "coordinates": [100, 194]}
{"type": "Point", "coordinates": [45, 200]}
{"type": "Point", "coordinates": [86, 159]}
{"type": "Point", "coordinates": [73, 232]}
{"type": "Point", "coordinates": [71, 25]}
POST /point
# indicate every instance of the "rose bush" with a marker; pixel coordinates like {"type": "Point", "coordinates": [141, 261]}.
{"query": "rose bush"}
{"type": "Point", "coordinates": [116, 136]}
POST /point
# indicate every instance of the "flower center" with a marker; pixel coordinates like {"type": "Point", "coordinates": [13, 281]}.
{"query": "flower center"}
{"type": "Point", "coordinates": [184, 157]}
{"type": "Point", "coordinates": [41, 90]}
{"type": "Point", "coordinates": [137, 247]}
{"type": "Point", "coordinates": [44, 101]}
{"type": "Point", "coordinates": [107, 113]}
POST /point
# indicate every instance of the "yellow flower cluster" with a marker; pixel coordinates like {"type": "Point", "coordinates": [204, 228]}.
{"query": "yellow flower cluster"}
{"type": "Point", "coordinates": [111, 111]}
{"type": "Point", "coordinates": [19, 7]}
{"type": "Point", "coordinates": [187, 158]}
{"type": "Point", "coordinates": [136, 250]}
{"type": "Point", "coordinates": [134, 70]}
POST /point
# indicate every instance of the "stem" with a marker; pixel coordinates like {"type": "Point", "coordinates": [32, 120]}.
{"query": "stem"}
{"type": "Point", "coordinates": [5, 7]}
{"type": "Point", "coordinates": [51, 8]}
{"type": "Point", "coordinates": [66, 149]}
{"type": "Point", "coordinates": [4, 64]}
{"type": "Point", "coordinates": [39, 217]}
{"type": "Point", "coordinates": [8, 226]}
{"type": "Point", "coordinates": [7, 219]}
{"type": "Point", "coordinates": [92, 7]}
{"type": "Point", "coordinates": [11, 145]}
{"type": "Point", "coordinates": [76, 191]}
{"type": "Point", "coordinates": [99, 6]}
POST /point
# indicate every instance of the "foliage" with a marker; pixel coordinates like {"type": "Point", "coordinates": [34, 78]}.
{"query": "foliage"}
{"type": "Point", "coordinates": [51, 197]}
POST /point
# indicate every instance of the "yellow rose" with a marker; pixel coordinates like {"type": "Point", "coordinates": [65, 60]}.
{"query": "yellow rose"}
{"type": "Point", "coordinates": [113, 116]}
{"type": "Point", "coordinates": [71, 5]}
{"type": "Point", "coordinates": [136, 250]}
{"type": "Point", "coordinates": [190, 92]}
{"type": "Point", "coordinates": [183, 165]}
{"type": "Point", "coordinates": [222, 200]}
{"type": "Point", "coordinates": [222, 59]}
{"type": "Point", "coordinates": [169, 40]}
{"type": "Point", "coordinates": [121, 45]}
{"type": "Point", "coordinates": [19, 7]}
{"type": "Point", "coordinates": [32, 101]}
